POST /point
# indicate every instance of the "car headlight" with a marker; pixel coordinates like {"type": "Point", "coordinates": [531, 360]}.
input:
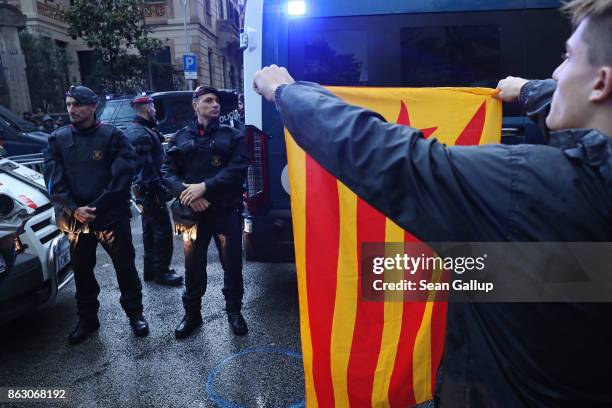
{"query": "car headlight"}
{"type": "Point", "coordinates": [6, 205]}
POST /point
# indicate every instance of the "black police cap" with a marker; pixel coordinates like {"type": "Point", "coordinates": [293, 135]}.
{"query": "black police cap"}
{"type": "Point", "coordinates": [83, 95]}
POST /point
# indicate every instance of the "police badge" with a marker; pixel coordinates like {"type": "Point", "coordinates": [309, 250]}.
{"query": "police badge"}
{"type": "Point", "coordinates": [97, 155]}
{"type": "Point", "coordinates": [216, 161]}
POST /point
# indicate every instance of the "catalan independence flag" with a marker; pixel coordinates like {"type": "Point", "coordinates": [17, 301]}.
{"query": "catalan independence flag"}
{"type": "Point", "coordinates": [357, 353]}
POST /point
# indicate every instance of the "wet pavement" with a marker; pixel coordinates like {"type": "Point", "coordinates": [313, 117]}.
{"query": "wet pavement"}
{"type": "Point", "coordinates": [211, 368]}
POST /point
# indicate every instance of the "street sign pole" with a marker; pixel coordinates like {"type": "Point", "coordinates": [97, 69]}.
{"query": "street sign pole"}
{"type": "Point", "coordinates": [184, 3]}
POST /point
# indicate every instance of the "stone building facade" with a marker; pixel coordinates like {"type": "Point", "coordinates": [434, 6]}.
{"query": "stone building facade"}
{"type": "Point", "coordinates": [14, 92]}
{"type": "Point", "coordinates": [44, 18]}
{"type": "Point", "coordinates": [213, 28]}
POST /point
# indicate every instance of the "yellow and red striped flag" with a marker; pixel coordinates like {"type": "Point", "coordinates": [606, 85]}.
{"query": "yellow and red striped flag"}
{"type": "Point", "coordinates": [357, 353]}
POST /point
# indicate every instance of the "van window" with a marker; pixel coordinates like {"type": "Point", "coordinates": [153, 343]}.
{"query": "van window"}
{"type": "Point", "coordinates": [450, 55]}
{"type": "Point", "coordinates": [427, 49]}
{"type": "Point", "coordinates": [179, 110]}
{"type": "Point", "coordinates": [160, 111]}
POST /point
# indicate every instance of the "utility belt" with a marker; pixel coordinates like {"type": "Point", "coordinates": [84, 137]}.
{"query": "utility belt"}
{"type": "Point", "coordinates": [156, 193]}
{"type": "Point", "coordinates": [185, 217]}
{"type": "Point", "coordinates": [69, 224]}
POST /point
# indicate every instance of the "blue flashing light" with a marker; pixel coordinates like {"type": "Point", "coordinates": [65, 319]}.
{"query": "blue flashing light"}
{"type": "Point", "coordinates": [108, 97]}
{"type": "Point", "coordinates": [296, 8]}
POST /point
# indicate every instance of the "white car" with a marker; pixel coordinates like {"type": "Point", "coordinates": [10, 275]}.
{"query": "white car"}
{"type": "Point", "coordinates": [35, 258]}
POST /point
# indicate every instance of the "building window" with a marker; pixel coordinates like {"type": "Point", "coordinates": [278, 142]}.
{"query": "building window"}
{"type": "Point", "coordinates": [208, 12]}
{"type": "Point", "coordinates": [210, 67]}
{"type": "Point", "coordinates": [224, 66]}
{"type": "Point", "coordinates": [232, 75]}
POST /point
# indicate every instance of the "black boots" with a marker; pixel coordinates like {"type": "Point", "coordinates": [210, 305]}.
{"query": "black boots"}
{"type": "Point", "coordinates": [192, 322]}
{"type": "Point", "coordinates": [140, 327]}
{"type": "Point", "coordinates": [84, 328]}
{"type": "Point", "coordinates": [187, 326]}
{"type": "Point", "coordinates": [237, 323]}
{"type": "Point", "coordinates": [169, 278]}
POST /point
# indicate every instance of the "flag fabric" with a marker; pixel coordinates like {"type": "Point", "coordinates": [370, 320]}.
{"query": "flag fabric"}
{"type": "Point", "coordinates": [357, 353]}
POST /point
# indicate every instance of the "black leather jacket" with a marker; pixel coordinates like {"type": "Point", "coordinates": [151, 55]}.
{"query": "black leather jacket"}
{"type": "Point", "coordinates": [218, 158]}
{"type": "Point", "coordinates": [91, 167]}
{"type": "Point", "coordinates": [496, 354]}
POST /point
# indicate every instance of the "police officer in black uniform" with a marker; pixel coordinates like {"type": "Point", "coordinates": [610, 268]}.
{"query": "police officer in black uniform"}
{"type": "Point", "coordinates": [88, 171]}
{"type": "Point", "coordinates": [151, 194]}
{"type": "Point", "coordinates": [205, 169]}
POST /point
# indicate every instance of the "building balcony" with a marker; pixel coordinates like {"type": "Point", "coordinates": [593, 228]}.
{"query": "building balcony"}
{"type": "Point", "coordinates": [157, 10]}
{"type": "Point", "coordinates": [51, 11]}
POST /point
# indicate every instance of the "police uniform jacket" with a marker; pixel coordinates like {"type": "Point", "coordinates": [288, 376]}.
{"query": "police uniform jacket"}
{"type": "Point", "coordinates": [215, 155]}
{"type": "Point", "coordinates": [496, 354]}
{"type": "Point", "coordinates": [91, 167]}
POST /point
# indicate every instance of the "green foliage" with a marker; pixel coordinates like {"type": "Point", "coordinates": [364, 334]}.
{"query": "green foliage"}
{"type": "Point", "coordinates": [116, 30]}
{"type": "Point", "coordinates": [46, 70]}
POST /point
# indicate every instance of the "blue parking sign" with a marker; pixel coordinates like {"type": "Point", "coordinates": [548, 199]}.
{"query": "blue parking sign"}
{"type": "Point", "coordinates": [190, 63]}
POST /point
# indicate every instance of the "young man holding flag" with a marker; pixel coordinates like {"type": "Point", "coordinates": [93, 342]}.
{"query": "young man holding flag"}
{"type": "Point", "coordinates": [496, 354]}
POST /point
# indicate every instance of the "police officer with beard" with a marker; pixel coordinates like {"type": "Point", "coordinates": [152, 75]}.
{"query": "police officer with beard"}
{"type": "Point", "coordinates": [205, 169]}
{"type": "Point", "coordinates": [88, 171]}
{"type": "Point", "coordinates": [149, 191]}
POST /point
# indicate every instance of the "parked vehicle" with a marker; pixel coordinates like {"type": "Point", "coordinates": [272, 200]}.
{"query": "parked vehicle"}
{"type": "Point", "coordinates": [18, 136]}
{"type": "Point", "coordinates": [35, 258]}
{"type": "Point", "coordinates": [392, 43]}
{"type": "Point", "coordinates": [173, 108]}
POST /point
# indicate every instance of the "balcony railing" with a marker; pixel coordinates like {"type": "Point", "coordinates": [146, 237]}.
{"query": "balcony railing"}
{"type": "Point", "coordinates": [156, 10]}
{"type": "Point", "coordinates": [54, 12]}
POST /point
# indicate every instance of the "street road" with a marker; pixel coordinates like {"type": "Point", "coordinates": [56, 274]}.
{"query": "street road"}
{"type": "Point", "coordinates": [211, 368]}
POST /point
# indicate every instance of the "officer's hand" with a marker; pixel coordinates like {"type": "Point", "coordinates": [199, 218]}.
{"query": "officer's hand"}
{"type": "Point", "coordinates": [85, 215]}
{"type": "Point", "coordinates": [200, 204]}
{"type": "Point", "coordinates": [192, 192]}
{"type": "Point", "coordinates": [268, 79]}
{"type": "Point", "coordinates": [510, 88]}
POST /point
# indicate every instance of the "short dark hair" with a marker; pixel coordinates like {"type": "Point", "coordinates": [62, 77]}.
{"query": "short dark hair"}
{"type": "Point", "coordinates": [598, 33]}
{"type": "Point", "coordinates": [205, 89]}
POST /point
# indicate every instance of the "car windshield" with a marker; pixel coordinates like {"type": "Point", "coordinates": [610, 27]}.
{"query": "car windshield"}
{"type": "Point", "coordinates": [117, 112]}
{"type": "Point", "coordinates": [106, 113]}
{"type": "Point", "coordinates": [16, 122]}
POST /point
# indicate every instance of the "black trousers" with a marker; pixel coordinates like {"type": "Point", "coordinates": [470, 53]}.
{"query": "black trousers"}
{"type": "Point", "coordinates": [226, 229]}
{"type": "Point", "coordinates": [116, 240]}
{"type": "Point", "coordinates": [156, 237]}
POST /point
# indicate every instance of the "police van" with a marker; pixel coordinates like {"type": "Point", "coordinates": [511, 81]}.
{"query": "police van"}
{"type": "Point", "coordinates": [391, 43]}
{"type": "Point", "coordinates": [174, 110]}
{"type": "Point", "coordinates": [34, 254]}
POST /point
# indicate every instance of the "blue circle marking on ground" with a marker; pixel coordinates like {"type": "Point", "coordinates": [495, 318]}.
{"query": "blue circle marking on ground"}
{"type": "Point", "coordinates": [223, 403]}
